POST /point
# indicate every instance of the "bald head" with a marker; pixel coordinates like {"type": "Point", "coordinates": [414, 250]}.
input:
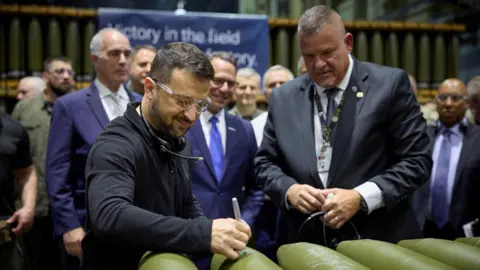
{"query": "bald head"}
{"type": "Point", "coordinates": [453, 86]}
{"type": "Point", "coordinates": [30, 86]}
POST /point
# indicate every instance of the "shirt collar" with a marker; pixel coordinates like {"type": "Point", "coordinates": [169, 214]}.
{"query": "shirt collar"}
{"type": "Point", "coordinates": [346, 79]}
{"type": "Point", "coordinates": [206, 115]}
{"type": "Point", "coordinates": [104, 91]}
{"type": "Point", "coordinates": [456, 129]}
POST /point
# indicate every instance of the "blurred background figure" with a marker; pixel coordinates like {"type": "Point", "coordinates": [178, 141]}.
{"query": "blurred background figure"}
{"type": "Point", "coordinates": [141, 63]}
{"type": "Point", "coordinates": [274, 77]}
{"type": "Point", "coordinates": [301, 67]}
{"type": "Point", "coordinates": [456, 167]}
{"type": "Point", "coordinates": [29, 86]}
{"type": "Point", "coordinates": [246, 94]}
{"type": "Point", "coordinates": [34, 114]}
{"type": "Point", "coordinates": [473, 89]}
{"type": "Point", "coordinates": [271, 226]}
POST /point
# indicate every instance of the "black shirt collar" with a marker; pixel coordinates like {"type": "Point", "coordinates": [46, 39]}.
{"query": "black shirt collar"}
{"type": "Point", "coordinates": [134, 117]}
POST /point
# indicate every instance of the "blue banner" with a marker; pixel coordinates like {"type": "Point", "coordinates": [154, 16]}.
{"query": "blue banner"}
{"type": "Point", "coordinates": [245, 36]}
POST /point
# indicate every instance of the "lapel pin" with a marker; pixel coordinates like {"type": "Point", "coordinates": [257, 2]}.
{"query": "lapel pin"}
{"type": "Point", "coordinates": [359, 94]}
{"type": "Point", "coordinates": [354, 89]}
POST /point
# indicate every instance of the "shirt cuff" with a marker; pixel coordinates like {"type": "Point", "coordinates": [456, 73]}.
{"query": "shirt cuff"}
{"type": "Point", "coordinates": [287, 205]}
{"type": "Point", "coordinates": [372, 195]}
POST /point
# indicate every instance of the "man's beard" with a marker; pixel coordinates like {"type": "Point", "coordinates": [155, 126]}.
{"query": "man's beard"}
{"type": "Point", "coordinates": [155, 116]}
{"type": "Point", "coordinates": [60, 91]}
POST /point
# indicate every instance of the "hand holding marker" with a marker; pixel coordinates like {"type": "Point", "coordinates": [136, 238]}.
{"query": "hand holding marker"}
{"type": "Point", "coordinates": [238, 217]}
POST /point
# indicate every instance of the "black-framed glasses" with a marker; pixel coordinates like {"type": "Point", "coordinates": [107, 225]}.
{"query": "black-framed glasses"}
{"type": "Point", "coordinates": [454, 97]}
{"type": "Point", "coordinates": [219, 82]}
{"type": "Point", "coordinates": [184, 102]}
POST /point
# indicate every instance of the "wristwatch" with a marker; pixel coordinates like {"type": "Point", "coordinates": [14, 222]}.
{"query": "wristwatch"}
{"type": "Point", "coordinates": [363, 204]}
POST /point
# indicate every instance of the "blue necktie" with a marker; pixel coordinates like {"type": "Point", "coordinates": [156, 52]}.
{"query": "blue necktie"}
{"type": "Point", "coordinates": [331, 105]}
{"type": "Point", "coordinates": [439, 191]}
{"type": "Point", "coordinates": [216, 149]}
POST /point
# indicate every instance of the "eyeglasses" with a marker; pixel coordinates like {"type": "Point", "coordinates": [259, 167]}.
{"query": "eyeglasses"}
{"type": "Point", "coordinates": [184, 102]}
{"type": "Point", "coordinates": [455, 98]}
{"type": "Point", "coordinates": [219, 82]}
{"type": "Point", "coordinates": [61, 71]}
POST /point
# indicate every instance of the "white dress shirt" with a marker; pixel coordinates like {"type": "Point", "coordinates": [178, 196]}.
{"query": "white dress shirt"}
{"type": "Point", "coordinates": [221, 125]}
{"type": "Point", "coordinates": [368, 190]}
{"type": "Point", "coordinates": [108, 99]}
{"type": "Point", "coordinates": [258, 124]}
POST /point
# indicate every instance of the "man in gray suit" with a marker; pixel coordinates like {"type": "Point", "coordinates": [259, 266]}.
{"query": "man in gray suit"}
{"type": "Point", "coordinates": [347, 128]}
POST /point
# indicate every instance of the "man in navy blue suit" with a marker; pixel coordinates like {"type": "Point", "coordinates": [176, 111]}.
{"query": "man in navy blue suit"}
{"type": "Point", "coordinates": [77, 119]}
{"type": "Point", "coordinates": [228, 146]}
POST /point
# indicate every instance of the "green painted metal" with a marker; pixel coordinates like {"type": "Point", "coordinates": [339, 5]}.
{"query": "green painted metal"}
{"type": "Point", "coordinates": [439, 61]}
{"type": "Point", "coordinates": [73, 44]}
{"type": "Point", "coordinates": [35, 48]}
{"type": "Point", "coordinates": [87, 62]}
{"type": "Point", "coordinates": [360, 46]}
{"type": "Point", "coordinates": [55, 38]}
{"type": "Point", "coordinates": [392, 57]}
{"type": "Point", "coordinates": [453, 56]}
{"type": "Point", "coordinates": [282, 43]}
{"type": "Point", "coordinates": [409, 54]}
{"type": "Point", "coordinates": [377, 52]}
{"type": "Point", "coordinates": [424, 62]}
{"type": "Point", "coordinates": [165, 261]}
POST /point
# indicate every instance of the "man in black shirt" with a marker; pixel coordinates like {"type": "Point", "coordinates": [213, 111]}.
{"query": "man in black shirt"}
{"type": "Point", "coordinates": [139, 195]}
{"type": "Point", "coordinates": [15, 165]}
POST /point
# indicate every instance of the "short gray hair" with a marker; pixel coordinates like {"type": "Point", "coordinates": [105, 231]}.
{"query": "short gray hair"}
{"type": "Point", "coordinates": [38, 84]}
{"type": "Point", "coordinates": [315, 18]}
{"type": "Point", "coordinates": [96, 44]}
{"type": "Point", "coordinates": [248, 72]}
{"type": "Point", "coordinates": [473, 86]}
{"type": "Point", "coordinates": [275, 68]}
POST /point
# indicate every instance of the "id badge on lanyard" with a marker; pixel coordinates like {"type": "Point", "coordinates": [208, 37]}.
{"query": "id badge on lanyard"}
{"type": "Point", "coordinates": [324, 159]}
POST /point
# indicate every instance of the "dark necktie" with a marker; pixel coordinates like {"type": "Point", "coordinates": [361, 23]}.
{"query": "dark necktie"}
{"type": "Point", "coordinates": [216, 149]}
{"type": "Point", "coordinates": [439, 191]}
{"type": "Point", "coordinates": [332, 105]}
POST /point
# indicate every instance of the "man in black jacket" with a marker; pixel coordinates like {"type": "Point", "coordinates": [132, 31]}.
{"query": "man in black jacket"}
{"type": "Point", "coordinates": [139, 195]}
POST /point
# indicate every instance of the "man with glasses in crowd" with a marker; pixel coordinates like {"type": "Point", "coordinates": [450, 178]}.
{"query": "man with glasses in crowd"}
{"type": "Point", "coordinates": [139, 195]}
{"type": "Point", "coordinates": [34, 114]}
{"type": "Point", "coordinates": [228, 146]}
{"type": "Point", "coordinates": [450, 199]}
{"type": "Point", "coordinates": [77, 119]}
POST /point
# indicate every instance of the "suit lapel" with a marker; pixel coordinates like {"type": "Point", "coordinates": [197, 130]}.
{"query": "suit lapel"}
{"type": "Point", "coordinates": [131, 96]}
{"type": "Point", "coordinates": [231, 136]}
{"type": "Point", "coordinates": [96, 105]}
{"type": "Point", "coordinates": [199, 139]}
{"type": "Point", "coordinates": [468, 145]}
{"type": "Point", "coordinates": [355, 94]}
{"type": "Point", "coordinates": [307, 148]}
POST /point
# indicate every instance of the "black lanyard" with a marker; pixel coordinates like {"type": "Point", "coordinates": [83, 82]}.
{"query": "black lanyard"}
{"type": "Point", "coordinates": [327, 129]}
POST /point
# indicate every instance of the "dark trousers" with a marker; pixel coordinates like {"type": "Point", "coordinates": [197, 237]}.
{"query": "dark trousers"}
{"type": "Point", "coordinates": [12, 257]}
{"type": "Point", "coordinates": [447, 232]}
{"type": "Point", "coordinates": [68, 262]}
{"type": "Point", "coordinates": [40, 246]}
